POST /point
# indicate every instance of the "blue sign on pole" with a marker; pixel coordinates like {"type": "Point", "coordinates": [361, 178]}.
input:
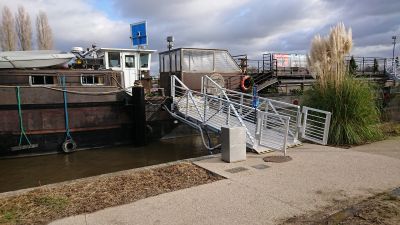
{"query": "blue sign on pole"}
{"type": "Point", "coordinates": [255, 101]}
{"type": "Point", "coordinates": [139, 33]}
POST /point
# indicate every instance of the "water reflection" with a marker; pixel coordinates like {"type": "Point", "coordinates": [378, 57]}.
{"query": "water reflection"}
{"type": "Point", "coordinates": [35, 171]}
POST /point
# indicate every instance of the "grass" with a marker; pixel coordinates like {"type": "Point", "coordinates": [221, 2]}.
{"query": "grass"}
{"type": "Point", "coordinates": [51, 202]}
{"type": "Point", "coordinates": [8, 216]}
{"type": "Point", "coordinates": [43, 205]}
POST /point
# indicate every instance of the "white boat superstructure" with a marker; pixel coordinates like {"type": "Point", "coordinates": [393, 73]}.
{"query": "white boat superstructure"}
{"type": "Point", "coordinates": [33, 59]}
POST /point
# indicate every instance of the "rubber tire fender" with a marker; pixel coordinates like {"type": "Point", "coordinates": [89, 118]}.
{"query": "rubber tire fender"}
{"type": "Point", "coordinates": [68, 146]}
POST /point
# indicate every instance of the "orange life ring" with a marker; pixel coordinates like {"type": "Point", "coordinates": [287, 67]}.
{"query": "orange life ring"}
{"type": "Point", "coordinates": [245, 83]}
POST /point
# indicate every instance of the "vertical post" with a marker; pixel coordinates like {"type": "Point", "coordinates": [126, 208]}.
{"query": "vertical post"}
{"type": "Point", "coordinates": [202, 85]}
{"type": "Point", "coordinates": [241, 104]}
{"type": "Point", "coordinates": [263, 64]}
{"type": "Point", "coordinates": [298, 124]}
{"type": "Point", "coordinates": [139, 116]}
{"type": "Point", "coordinates": [285, 137]}
{"type": "Point", "coordinates": [384, 66]}
{"type": "Point", "coordinates": [205, 108]}
{"type": "Point", "coordinates": [363, 63]}
{"type": "Point", "coordinates": [172, 91]}
{"type": "Point", "coordinates": [187, 105]}
{"type": "Point", "coordinates": [228, 113]}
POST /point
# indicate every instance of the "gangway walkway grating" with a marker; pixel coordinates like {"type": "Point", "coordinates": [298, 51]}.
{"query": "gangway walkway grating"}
{"type": "Point", "coordinates": [270, 125]}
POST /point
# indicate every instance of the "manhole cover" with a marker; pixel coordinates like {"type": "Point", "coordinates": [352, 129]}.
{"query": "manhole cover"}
{"type": "Point", "coordinates": [396, 192]}
{"type": "Point", "coordinates": [236, 170]}
{"type": "Point", "coordinates": [260, 166]}
{"type": "Point", "coordinates": [277, 158]}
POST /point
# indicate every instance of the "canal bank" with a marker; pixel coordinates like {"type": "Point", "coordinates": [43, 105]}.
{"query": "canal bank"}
{"type": "Point", "coordinates": [19, 173]}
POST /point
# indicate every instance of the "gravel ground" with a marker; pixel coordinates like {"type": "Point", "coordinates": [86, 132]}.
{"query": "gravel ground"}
{"type": "Point", "coordinates": [43, 205]}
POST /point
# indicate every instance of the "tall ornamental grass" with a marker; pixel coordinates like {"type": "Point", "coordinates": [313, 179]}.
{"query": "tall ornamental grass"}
{"type": "Point", "coordinates": [354, 112]}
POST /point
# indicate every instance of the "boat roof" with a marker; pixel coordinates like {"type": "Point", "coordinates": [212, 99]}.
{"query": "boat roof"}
{"type": "Point", "coordinates": [126, 50]}
{"type": "Point", "coordinates": [200, 49]}
{"type": "Point", "coordinates": [31, 53]}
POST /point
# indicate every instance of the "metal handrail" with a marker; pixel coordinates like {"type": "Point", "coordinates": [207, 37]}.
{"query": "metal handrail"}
{"type": "Point", "coordinates": [265, 104]}
{"type": "Point", "coordinates": [189, 95]}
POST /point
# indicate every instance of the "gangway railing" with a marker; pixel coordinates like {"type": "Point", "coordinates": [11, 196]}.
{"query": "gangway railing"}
{"type": "Point", "coordinates": [269, 124]}
{"type": "Point", "coordinates": [264, 130]}
{"type": "Point", "coordinates": [246, 107]}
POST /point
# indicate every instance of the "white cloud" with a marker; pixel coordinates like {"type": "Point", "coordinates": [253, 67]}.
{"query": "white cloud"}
{"type": "Point", "coordinates": [241, 26]}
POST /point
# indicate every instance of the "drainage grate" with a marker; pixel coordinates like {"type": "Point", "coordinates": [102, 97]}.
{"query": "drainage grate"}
{"type": "Point", "coordinates": [236, 170]}
{"type": "Point", "coordinates": [277, 158]}
{"type": "Point", "coordinates": [260, 166]}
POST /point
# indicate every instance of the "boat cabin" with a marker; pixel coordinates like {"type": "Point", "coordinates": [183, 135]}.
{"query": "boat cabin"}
{"type": "Point", "coordinates": [190, 64]}
{"type": "Point", "coordinates": [134, 63]}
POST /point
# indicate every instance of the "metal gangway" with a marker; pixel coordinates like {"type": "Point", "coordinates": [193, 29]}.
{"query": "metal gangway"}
{"type": "Point", "coordinates": [269, 124]}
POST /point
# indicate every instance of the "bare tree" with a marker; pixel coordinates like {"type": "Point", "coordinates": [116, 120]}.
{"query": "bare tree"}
{"type": "Point", "coordinates": [44, 34]}
{"type": "Point", "coordinates": [24, 29]}
{"type": "Point", "coordinates": [7, 31]}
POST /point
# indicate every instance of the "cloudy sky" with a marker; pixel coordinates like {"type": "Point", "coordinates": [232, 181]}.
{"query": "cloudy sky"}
{"type": "Point", "coordinates": [241, 26]}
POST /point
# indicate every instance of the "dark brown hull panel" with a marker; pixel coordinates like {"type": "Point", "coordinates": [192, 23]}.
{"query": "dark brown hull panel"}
{"type": "Point", "coordinates": [91, 125]}
{"type": "Point", "coordinates": [51, 142]}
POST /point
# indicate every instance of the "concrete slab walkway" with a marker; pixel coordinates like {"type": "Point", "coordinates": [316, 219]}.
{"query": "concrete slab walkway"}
{"type": "Point", "coordinates": [315, 177]}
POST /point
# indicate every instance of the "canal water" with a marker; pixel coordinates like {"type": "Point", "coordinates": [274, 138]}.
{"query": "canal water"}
{"type": "Point", "coordinates": [28, 172]}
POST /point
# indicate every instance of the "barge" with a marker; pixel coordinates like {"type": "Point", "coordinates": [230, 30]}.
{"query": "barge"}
{"type": "Point", "coordinates": [57, 109]}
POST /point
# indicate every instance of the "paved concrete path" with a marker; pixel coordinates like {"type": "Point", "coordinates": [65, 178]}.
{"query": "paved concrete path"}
{"type": "Point", "coordinates": [390, 147]}
{"type": "Point", "coordinates": [315, 177]}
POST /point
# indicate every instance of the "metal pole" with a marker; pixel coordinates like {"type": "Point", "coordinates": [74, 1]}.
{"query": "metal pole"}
{"type": "Point", "coordinates": [170, 63]}
{"type": "Point", "coordinates": [170, 40]}
{"type": "Point", "coordinates": [393, 62]}
{"type": "Point", "coordinates": [394, 46]}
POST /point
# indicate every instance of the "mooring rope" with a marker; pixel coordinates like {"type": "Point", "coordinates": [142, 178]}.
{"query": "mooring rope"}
{"type": "Point", "coordinates": [67, 130]}
{"type": "Point", "coordinates": [21, 124]}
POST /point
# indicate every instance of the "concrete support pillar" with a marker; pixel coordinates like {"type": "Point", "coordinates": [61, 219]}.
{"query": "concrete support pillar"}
{"type": "Point", "coordinates": [233, 143]}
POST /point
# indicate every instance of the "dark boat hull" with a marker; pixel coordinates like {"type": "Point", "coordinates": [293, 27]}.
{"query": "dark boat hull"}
{"type": "Point", "coordinates": [91, 125]}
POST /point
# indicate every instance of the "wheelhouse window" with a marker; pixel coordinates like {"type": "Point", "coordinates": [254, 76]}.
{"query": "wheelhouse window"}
{"type": "Point", "coordinates": [42, 80]}
{"type": "Point", "coordinates": [114, 59]}
{"type": "Point", "coordinates": [92, 79]}
{"type": "Point", "coordinates": [130, 61]}
{"type": "Point", "coordinates": [144, 60]}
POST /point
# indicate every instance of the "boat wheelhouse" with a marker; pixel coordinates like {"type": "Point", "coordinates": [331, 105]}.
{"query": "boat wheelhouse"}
{"type": "Point", "coordinates": [134, 63]}
{"type": "Point", "coordinates": [190, 64]}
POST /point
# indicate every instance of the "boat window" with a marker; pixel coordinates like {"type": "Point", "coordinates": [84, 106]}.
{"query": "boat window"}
{"type": "Point", "coordinates": [42, 80]}
{"type": "Point", "coordinates": [178, 61]}
{"type": "Point", "coordinates": [114, 59]}
{"type": "Point", "coordinates": [161, 58]}
{"type": "Point", "coordinates": [144, 60]}
{"type": "Point", "coordinates": [130, 61]}
{"type": "Point", "coordinates": [92, 79]}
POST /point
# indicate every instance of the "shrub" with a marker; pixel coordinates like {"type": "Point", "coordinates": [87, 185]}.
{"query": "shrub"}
{"type": "Point", "coordinates": [354, 113]}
